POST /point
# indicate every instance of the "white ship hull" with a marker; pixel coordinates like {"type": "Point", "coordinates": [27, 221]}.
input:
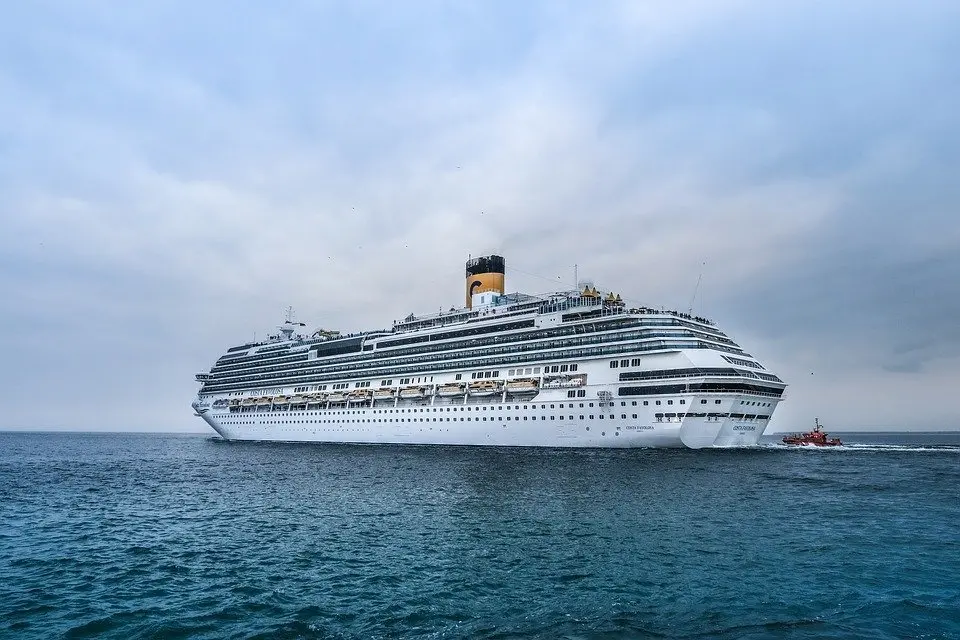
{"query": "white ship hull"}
{"type": "Point", "coordinates": [558, 422]}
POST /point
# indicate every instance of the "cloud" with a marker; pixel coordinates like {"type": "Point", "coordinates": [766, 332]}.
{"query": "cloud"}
{"type": "Point", "coordinates": [174, 175]}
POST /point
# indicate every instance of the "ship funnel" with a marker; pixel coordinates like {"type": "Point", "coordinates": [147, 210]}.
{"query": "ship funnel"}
{"type": "Point", "coordinates": [484, 274]}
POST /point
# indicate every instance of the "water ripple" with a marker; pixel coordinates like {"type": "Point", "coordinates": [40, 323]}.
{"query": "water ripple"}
{"type": "Point", "coordinates": [186, 537]}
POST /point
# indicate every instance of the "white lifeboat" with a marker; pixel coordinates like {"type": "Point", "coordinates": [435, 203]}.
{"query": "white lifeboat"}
{"type": "Point", "coordinates": [356, 397]}
{"type": "Point", "coordinates": [450, 390]}
{"type": "Point", "coordinates": [521, 386]}
{"type": "Point", "coordinates": [411, 393]}
{"type": "Point", "coordinates": [483, 388]}
{"type": "Point", "coordinates": [383, 393]}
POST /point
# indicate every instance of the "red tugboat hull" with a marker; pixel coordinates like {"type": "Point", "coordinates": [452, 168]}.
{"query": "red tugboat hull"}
{"type": "Point", "coordinates": [817, 437]}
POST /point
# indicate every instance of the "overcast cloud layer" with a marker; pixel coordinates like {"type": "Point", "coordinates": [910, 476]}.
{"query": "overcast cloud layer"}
{"type": "Point", "coordinates": [173, 174]}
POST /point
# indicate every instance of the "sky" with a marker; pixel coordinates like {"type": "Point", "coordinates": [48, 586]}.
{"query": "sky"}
{"type": "Point", "coordinates": [174, 174]}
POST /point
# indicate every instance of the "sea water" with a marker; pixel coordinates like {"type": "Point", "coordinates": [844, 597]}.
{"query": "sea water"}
{"type": "Point", "coordinates": [160, 536]}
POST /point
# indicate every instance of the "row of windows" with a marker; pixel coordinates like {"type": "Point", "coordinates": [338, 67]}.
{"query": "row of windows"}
{"type": "Point", "coordinates": [418, 363]}
{"type": "Point", "coordinates": [577, 393]}
{"type": "Point", "coordinates": [606, 325]}
{"type": "Point", "coordinates": [361, 384]}
{"type": "Point", "coordinates": [542, 334]}
{"type": "Point", "coordinates": [623, 416]}
{"type": "Point", "coordinates": [708, 387]}
{"type": "Point", "coordinates": [507, 338]}
{"type": "Point", "coordinates": [742, 362]}
{"type": "Point", "coordinates": [476, 375]}
{"type": "Point", "coordinates": [692, 372]}
{"type": "Point", "coordinates": [530, 406]}
{"type": "Point", "coordinates": [450, 335]}
{"type": "Point", "coordinates": [468, 408]}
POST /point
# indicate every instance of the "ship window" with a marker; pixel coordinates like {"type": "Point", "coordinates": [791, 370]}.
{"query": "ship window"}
{"type": "Point", "coordinates": [573, 367]}
{"type": "Point", "coordinates": [669, 401]}
{"type": "Point", "coordinates": [658, 403]}
{"type": "Point", "coordinates": [614, 364]}
{"type": "Point", "coordinates": [552, 417]}
{"type": "Point", "coordinates": [487, 374]}
{"type": "Point", "coordinates": [716, 402]}
{"type": "Point", "coordinates": [536, 369]}
{"type": "Point", "coordinates": [591, 416]}
{"type": "Point", "coordinates": [528, 371]}
{"type": "Point", "coordinates": [703, 402]}
{"type": "Point", "coordinates": [624, 363]}
{"type": "Point", "coordinates": [496, 374]}
{"type": "Point", "coordinates": [564, 368]}
{"type": "Point", "coordinates": [572, 394]}
{"type": "Point", "coordinates": [459, 376]}
{"type": "Point", "coordinates": [683, 402]}
{"type": "Point", "coordinates": [510, 372]}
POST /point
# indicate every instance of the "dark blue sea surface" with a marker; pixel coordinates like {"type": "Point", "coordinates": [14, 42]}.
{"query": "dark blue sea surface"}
{"type": "Point", "coordinates": [165, 536]}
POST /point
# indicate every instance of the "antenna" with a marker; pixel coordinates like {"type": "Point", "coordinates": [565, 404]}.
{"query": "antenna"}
{"type": "Point", "coordinates": [576, 278]}
{"type": "Point", "coordinates": [695, 290]}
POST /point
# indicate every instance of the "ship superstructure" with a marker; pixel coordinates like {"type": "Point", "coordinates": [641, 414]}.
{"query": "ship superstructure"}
{"type": "Point", "coordinates": [570, 369]}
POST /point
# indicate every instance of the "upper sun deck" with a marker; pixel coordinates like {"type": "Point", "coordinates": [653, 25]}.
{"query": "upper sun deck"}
{"type": "Point", "coordinates": [588, 303]}
{"type": "Point", "coordinates": [572, 305]}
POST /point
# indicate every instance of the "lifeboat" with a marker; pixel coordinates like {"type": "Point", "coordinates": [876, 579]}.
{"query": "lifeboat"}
{"type": "Point", "coordinates": [314, 399]}
{"type": "Point", "coordinates": [355, 397]}
{"type": "Point", "coordinates": [411, 393]}
{"type": "Point", "coordinates": [383, 393]}
{"type": "Point", "coordinates": [248, 402]}
{"type": "Point", "coordinates": [817, 437]}
{"type": "Point", "coordinates": [263, 401]}
{"type": "Point", "coordinates": [483, 388]}
{"type": "Point", "coordinates": [297, 400]}
{"type": "Point", "coordinates": [335, 397]}
{"type": "Point", "coordinates": [281, 400]}
{"type": "Point", "coordinates": [521, 386]}
{"type": "Point", "coordinates": [450, 390]}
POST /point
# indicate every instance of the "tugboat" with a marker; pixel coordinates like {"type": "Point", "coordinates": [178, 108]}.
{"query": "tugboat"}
{"type": "Point", "coordinates": [817, 437]}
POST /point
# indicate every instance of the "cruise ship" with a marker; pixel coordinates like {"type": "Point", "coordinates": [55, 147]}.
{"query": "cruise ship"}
{"type": "Point", "coordinates": [575, 368]}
